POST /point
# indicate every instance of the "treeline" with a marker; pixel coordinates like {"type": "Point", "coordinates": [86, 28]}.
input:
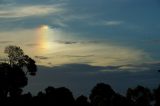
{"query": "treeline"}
{"type": "Point", "coordinates": [101, 95]}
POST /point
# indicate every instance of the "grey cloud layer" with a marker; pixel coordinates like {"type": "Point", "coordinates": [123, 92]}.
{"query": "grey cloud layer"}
{"type": "Point", "coordinates": [80, 78]}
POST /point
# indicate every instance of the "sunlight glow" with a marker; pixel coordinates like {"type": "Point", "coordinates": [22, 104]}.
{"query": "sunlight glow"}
{"type": "Point", "coordinates": [43, 36]}
{"type": "Point", "coordinates": [45, 27]}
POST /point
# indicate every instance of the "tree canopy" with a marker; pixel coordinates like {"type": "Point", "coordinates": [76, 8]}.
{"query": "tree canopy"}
{"type": "Point", "coordinates": [13, 77]}
{"type": "Point", "coordinates": [17, 57]}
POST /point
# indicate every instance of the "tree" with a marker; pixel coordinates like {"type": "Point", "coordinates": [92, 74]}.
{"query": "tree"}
{"type": "Point", "coordinates": [63, 96]}
{"type": "Point", "coordinates": [101, 95]}
{"type": "Point", "coordinates": [157, 96]}
{"type": "Point", "coordinates": [140, 95]}
{"type": "Point", "coordinates": [13, 76]}
{"type": "Point", "coordinates": [15, 54]}
{"type": "Point", "coordinates": [82, 101]}
{"type": "Point", "coordinates": [18, 58]}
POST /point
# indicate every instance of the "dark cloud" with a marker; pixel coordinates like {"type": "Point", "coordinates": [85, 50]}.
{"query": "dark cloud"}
{"type": "Point", "coordinates": [145, 66]}
{"type": "Point", "coordinates": [41, 57]}
{"type": "Point", "coordinates": [65, 42]}
{"type": "Point", "coordinates": [92, 41]}
{"type": "Point", "coordinates": [83, 68]}
{"type": "Point", "coordinates": [49, 63]}
{"type": "Point", "coordinates": [78, 68]}
{"type": "Point", "coordinates": [80, 42]}
{"type": "Point", "coordinates": [81, 78]}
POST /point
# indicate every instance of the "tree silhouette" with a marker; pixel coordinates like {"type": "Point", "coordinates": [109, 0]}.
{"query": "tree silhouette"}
{"type": "Point", "coordinates": [13, 76]}
{"type": "Point", "coordinates": [63, 96]}
{"type": "Point", "coordinates": [140, 95]}
{"type": "Point", "coordinates": [15, 54]}
{"type": "Point", "coordinates": [101, 95]}
{"type": "Point", "coordinates": [54, 97]}
{"type": "Point", "coordinates": [18, 58]}
{"type": "Point", "coordinates": [157, 96]}
{"type": "Point", "coordinates": [82, 101]}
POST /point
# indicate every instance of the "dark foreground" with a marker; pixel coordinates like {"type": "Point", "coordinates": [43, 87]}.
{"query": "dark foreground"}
{"type": "Point", "coordinates": [101, 95]}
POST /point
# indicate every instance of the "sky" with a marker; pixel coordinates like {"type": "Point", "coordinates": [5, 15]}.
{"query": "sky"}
{"type": "Point", "coordinates": [120, 35]}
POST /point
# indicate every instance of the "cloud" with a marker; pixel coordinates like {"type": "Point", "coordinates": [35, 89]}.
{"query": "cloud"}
{"type": "Point", "coordinates": [85, 68]}
{"type": "Point", "coordinates": [18, 34]}
{"type": "Point", "coordinates": [67, 19]}
{"type": "Point", "coordinates": [79, 42]}
{"type": "Point", "coordinates": [41, 57]}
{"type": "Point", "coordinates": [113, 23]}
{"type": "Point", "coordinates": [81, 78]}
{"type": "Point", "coordinates": [69, 50]}
{"type": "Point", "coordinates": [78, 56]}
{"type": "Point", "coordinates": [5, 42]}
{"type": "Point", "coordinates": [94, 52]}
{"type": "Point", "coordinates": [78, 68]}
{"type": "Point", "coordinates": [93, 42]}
{"type": "Point", "coordinates": [18, 11]}
{"type": "Point", "coordinates": [73, 50]}
{"type": "Point", "coordinates": [65, 42]}
{"type": "Point", "coordinates": [154, 65]}
{"type": "Point", "coordinates": [72, 17]}
{"type": "Point", "coordinates": [107, 23]}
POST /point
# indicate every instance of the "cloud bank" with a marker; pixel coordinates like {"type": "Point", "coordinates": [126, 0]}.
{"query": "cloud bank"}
{"type": "Point", "coordinates": [28, 11]}
{"type": "Point", "coordinates": [81, 78]}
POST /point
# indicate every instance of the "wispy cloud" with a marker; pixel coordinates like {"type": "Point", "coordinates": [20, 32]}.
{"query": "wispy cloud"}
{"type": "Point", "coordinates": [41, 57]}
{"type": "Point", "coordinates": [78, 67]}
{"type": "Point", "coordinates": [79, 42]}
{"type": "Point", "coordinates": [65, 19]}
{"type": "Point", "coordinates": [113, 23]}
{"type": "Point", "coordinates": [98, 54]}
{"type": "Point", "coordinates": [78, 56]}
{"type": "Point", "coordinates": [18, 11]}
{"type": "Point", "coordinates": [93, 52]}
{"type": "Point", "coordinates": [85, 68]}
{"type": "Point", "coordinates": [65, 42]}
{"type": "Point", "coordinates": [107, 23]}
{"type": "Point", "coordinates": [153, 65]}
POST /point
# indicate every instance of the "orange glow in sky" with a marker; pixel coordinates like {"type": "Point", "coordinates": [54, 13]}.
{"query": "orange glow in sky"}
{"type": "Point", "coordinates": [42, 37]}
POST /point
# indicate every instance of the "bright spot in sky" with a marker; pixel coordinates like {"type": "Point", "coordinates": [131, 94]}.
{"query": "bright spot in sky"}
{"type": "Point", "coordinates": [44, 35]}
{"type": "Point", "coordinates": [45, 27]}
